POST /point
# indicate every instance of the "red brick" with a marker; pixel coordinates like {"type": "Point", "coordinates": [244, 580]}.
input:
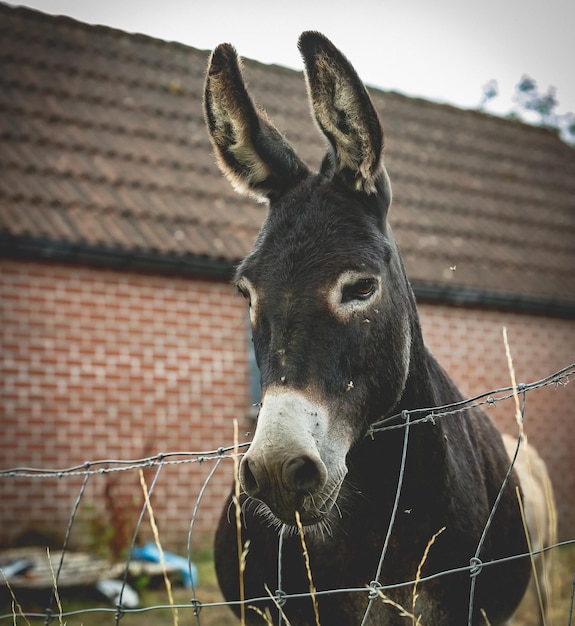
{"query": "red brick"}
{"type": "Point", "coordinates": [108, 364]}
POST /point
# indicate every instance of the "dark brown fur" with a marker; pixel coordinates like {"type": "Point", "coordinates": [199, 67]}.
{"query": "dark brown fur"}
{"type": "Point", "coordinates": [355, 358]}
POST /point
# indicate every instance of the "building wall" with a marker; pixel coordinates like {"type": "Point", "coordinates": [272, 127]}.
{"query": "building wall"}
{"type": "Point", "coordinates": [469, 344]}
{"type": "Point", "coordinates": [98, 364]}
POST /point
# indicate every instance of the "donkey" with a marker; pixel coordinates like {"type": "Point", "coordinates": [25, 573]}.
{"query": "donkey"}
{"type": "Point", "coordinates": [339, 345]}
{"type": "Point", "coordinates": [540, 518]}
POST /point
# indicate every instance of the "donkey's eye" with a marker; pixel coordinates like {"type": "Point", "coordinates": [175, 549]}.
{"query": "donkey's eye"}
{"type": "Point", "coordinates": [243, 292]}
{"type": "Point", "coordinates": [360, 290]}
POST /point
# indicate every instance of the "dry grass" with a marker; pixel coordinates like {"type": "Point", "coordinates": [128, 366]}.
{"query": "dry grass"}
{"type": "Point", "coordinates": [562, 574]}
{"type": "Point", "coordinates": [208, 592]}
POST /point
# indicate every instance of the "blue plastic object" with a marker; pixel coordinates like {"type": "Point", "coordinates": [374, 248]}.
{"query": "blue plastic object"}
{"type": "Point", "coordinates": [150, 552]}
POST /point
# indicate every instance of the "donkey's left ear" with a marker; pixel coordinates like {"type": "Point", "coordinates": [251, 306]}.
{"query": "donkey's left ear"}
{"type": "Point", "coordinates": [250, 151]}
{"type": "Point", "coordinates": [345, 114]}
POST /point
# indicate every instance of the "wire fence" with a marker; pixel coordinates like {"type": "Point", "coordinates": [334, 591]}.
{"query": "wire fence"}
{"type": "Point", "coordinates": [374, 590]}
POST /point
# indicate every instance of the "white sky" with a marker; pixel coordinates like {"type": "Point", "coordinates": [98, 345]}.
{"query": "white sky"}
{"type": "Point", "coordinates": [444, 50]}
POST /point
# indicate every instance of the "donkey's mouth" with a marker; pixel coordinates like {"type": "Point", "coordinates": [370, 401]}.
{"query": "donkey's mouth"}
{"type": "Point", "coordinates": [317, 508]}
{"type": "Point", "coordinates": [292, 519]}
{"type": "Point", "coordinates": [308, 510]}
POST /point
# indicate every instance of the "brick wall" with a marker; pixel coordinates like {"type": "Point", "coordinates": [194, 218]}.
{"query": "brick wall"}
{"type": "Point", "coordinates": [99, 364]}
{"type": "Point", "coordinates": [469, 345]}
{"type": "Point", "coordinates": [107, 365]}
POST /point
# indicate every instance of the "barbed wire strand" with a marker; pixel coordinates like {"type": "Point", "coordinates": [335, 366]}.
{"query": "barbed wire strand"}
{"type": "Point", "coordinates": [559, 378]}
{"type": "Point", "coordinates": [121, 465]}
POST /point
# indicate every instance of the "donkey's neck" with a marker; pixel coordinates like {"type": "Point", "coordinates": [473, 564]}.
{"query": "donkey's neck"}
{"type": "Point", "coordinates": [427, 383]}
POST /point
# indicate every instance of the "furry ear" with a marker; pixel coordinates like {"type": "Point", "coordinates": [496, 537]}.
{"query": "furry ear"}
{"type": "Point", "coordinates": [344, 112]}
{"type": "Point", "coordinates": [250, 151]}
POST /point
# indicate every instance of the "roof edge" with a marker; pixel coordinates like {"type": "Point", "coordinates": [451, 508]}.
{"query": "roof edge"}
{"type": "Point", "coordinates": [434, 293]}
{"type": "Point", "coordinates": [43, 15]}
{"type": "Point", "coordinates": [44, 249]}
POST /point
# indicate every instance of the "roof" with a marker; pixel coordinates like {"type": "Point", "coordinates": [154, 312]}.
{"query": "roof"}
{"type": "Point", "coordinates": [104, 155]}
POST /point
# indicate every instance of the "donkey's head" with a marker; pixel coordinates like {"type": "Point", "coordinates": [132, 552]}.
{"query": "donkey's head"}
{"type": "Point", "coordinates": [330, 306]}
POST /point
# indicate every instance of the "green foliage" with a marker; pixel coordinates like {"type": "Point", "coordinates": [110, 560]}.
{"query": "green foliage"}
{"type": "Point", "coordinates": [535, 106]}
{"type": "Point", "coordinates": [543, 104]}
{"type": "Point", "coordinates": [490, 91]}
{"type": "Point", "coordinates": [96, 531]}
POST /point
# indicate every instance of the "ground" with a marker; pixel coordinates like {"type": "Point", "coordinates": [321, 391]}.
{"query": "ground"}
{"type": "Point", "coordinates": [208, 592]}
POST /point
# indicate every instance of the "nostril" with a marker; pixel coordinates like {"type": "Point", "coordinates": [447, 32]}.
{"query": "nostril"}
{"type": "Point", "coordinates": [303, 475]}
{"type": "Point", "coordinates": [248, 479]}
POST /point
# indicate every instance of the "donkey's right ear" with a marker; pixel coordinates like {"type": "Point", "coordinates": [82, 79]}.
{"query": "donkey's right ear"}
{"type": "Point", "coordinates": [250, 151]}
{"type": "Point", "coordinates": [345, 114]}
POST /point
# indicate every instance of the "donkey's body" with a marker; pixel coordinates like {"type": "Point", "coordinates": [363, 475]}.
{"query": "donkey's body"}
{"type": "Point", "coordinates": [540, 518]}
{"type": "Point", "coordinates": [339, 345]}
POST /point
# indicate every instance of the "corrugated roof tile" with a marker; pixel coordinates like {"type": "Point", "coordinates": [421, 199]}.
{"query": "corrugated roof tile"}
{"type": "Point", "coordinates": [102, 143]}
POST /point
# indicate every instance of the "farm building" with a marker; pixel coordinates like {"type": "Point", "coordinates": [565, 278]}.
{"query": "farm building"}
{"type": "Point", "coordinates": [120, 336]}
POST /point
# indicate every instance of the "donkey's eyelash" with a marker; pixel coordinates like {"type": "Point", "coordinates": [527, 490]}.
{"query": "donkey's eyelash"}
{"type": "Point", "coordinates": [242, 291]}
{"type": "Point", "coordinates": [362, 289]}
{"type": "Point", "coordinates": [247, 291]}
